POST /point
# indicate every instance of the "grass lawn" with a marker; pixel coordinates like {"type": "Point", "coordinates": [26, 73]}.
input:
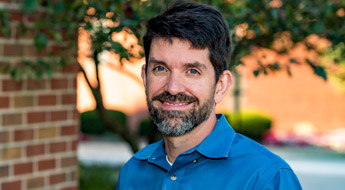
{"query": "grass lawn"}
{"type": "Point", "coordinates": [96, 177]}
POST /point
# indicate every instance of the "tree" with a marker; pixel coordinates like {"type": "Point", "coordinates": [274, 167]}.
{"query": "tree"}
{"type": "Point", "coordinates": [266, 24]}
{"type": "Point", "coordinates": [334, 61]}
{"type": "Point", "coordinates": [281, 26]}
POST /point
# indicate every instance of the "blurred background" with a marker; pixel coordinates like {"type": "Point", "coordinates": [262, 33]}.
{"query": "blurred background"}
{"type": "Point", "coordinates": [73, 107]}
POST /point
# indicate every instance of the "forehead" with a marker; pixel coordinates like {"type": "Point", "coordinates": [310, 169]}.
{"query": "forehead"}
{"type": "Point", "coordinates": [178, 51]}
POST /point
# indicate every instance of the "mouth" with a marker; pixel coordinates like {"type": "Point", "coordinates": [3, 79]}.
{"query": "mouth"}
{"type": "Point", "coordinates": [178, 102]}
{"type": "Point", "coordinates": [171, 105]}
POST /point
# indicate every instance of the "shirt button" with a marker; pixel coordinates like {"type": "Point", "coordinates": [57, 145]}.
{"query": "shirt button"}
{"type": "Point", "coordinates": [173, 177]}
{"type": "Point", "coordinates": [194, 161]}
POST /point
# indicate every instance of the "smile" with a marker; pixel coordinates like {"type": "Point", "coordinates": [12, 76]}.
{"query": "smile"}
{"type": "Point", "coordinates": [175, 104]}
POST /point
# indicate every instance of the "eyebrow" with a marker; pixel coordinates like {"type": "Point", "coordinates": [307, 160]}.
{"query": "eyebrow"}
{"type": "Point", "coordinates": [196, 64]}
{"type": "Point", "coordinates": [153, 60]}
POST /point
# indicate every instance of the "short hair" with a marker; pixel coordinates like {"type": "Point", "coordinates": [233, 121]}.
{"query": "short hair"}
{"type": "Point", "coordinates": [200, 24]}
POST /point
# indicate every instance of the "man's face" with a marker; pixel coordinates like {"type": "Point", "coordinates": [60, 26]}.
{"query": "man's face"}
{"type": "Point", "coordinates": [179, 85]}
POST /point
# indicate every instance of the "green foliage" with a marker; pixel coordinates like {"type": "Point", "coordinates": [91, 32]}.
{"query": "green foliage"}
{"type": "Point", "coordinates": [40, 41]}
{"type": "Point", "coordinates": [34, 69]}
{"type": "Point", "coordinates": [264, 20]}
{"type": "Point", "coordinates": [55, 24]}
{"type": "Point", "coordinates": [251, 124]}
{"type": "Point", "coordinates": [91, 122]}
{"type": "Point", "coordinates": [318, 70]}
{"type": "Point", "coordinates": [92, 177]}
{"type": "Point", "coordinates": [145, 126]}
{"type": "Point", "coordinates": [129, 16]}
{"type": "Point", "coordinates": [261, 23]}
{"type": "Point", "coordinates": [266, 68]}
{"type": "Point", "coordinates": [4, 23]}
{"type": "Point", "coordinates": [30, 5]}
{"type": "Point", "coordinates": [253, 24]}
{"type": "Point", "coordinates": [334, 60]}
{"type": "Point", "coordinates": [148, 130]}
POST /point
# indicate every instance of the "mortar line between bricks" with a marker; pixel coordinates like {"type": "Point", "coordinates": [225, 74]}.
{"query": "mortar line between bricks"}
{"type": "Point", "coordinates": [41, 125]}
{"type": "Point", "coordinates": [55, 75]}
{"type": "Point", "coordinates": [38, 141]}
{"type": "Point", "coordinates": [67, 107]}
{"type": "Point", "coordinates": [39, 92]}
{"type": "Point", "coordinates": [66, 184]}
{"type": "Point", "coordinates": [22, 41]}
{"type": "Point", "coordinates": [11, 6]}
{"type": "Point", "coordinates": [6, 41]}
{"type": "Point", "coordinates": [14, 59]}
{"type": "Point", "coordinates": [1, 49]}
{"type": "Point", "coordinates": [50, 123]}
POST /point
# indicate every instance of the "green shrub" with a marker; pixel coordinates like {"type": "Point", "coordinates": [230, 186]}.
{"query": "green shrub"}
{"type": "Point", "coordinates": [148, 130]}
{"type": "Point", "coordinates": [145, 126]}
{"type": "Point", "coordinates": [251, 124]}
{"type": "Point", "coordinates": [91, 122]}
{"type": "Point", "coordinates": [93, 177]}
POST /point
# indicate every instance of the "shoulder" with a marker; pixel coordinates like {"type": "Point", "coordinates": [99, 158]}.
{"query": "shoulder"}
{"type": "Point", "coordinates": [272, 170]}
{"type": "Point", "coordinates": [246, 147]}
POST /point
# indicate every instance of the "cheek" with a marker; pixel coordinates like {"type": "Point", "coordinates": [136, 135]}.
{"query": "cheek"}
{"type": "Point", "coordinates": [206, 93]}
{"type": "Point", "coordinates": [154, 86]}
{"type": "Point", "coordinates": [200, 90]}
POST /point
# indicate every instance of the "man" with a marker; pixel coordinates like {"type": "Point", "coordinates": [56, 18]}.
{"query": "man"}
{"type": "Point", "coordinates": [187, 50]}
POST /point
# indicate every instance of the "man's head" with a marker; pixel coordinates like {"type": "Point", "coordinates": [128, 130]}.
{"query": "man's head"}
{"type": "Point", "coordinates": [199, 24]}
{"type": "Point", "coordinates": [187, 49]}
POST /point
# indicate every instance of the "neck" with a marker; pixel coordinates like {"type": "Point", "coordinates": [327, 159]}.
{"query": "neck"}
{"type": "Point", "coordinates": [175, 145]}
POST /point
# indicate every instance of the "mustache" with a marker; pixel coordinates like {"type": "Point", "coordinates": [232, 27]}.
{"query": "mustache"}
{"type": "Point", "coordinates": [178, 97]}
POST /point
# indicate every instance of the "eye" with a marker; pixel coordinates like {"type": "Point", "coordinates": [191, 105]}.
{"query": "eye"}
{"type": "Point", "coordinates": [159, 68]}
{"type": "Point", "coordinates": [193, 71]}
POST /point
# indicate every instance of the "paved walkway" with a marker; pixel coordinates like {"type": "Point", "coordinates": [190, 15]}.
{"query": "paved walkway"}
{"type": "Point", "coordinates": [316, 168]}
{"type": "Point", "coordinates": [104, 153]}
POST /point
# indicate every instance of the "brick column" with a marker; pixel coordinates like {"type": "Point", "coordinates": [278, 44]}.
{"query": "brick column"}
{"type": "Point", "coordinates": [38, 120]}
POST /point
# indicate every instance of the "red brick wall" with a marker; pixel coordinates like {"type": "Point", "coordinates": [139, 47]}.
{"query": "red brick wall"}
{"type": "Point", "coordinates": [38, 120]}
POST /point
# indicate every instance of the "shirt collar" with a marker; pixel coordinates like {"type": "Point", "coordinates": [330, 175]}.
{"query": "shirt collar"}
{"type": "Point", "coordinates": [153, 150]}
{"type": "Point", "coordinates": [216, 145]}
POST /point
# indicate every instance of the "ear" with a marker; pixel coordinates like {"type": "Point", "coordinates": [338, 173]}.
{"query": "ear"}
{"type": "Point", "coordinates": [143, 74]}
{"type": "Point", "coordinates": [222, 86]}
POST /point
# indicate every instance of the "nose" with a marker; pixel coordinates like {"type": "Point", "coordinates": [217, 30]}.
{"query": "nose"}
{"type": "Point", "coordinates": [175, 84]}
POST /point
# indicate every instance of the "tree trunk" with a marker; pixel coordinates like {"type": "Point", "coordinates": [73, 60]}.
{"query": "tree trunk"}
{"type": "Point", "coordinates": [237, 99]}
{"type": "Point", "coordinates": [109, 122]}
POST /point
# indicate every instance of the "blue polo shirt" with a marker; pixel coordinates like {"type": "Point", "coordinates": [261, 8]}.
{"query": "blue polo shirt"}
{"type": "Point", "coordinates": [223, 160]}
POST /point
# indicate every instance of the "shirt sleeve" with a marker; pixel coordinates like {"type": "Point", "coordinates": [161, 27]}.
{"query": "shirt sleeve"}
{"type": "Point", "coordinates": [285, 179]}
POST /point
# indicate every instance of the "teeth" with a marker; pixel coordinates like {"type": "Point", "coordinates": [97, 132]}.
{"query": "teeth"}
{"type": "Point", "coordinates": [180, 104]}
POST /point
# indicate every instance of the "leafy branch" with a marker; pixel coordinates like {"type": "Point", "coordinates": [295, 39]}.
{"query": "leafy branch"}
{"type": "Point", "coordinates": [274, 25]}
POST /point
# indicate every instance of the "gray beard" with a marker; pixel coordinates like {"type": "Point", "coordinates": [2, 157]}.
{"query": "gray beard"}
{"type": "Point", "coordinates": [177, 123]}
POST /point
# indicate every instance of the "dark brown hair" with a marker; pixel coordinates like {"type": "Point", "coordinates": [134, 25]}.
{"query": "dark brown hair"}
{"type": "Point", "coordinates": [200, 24]}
